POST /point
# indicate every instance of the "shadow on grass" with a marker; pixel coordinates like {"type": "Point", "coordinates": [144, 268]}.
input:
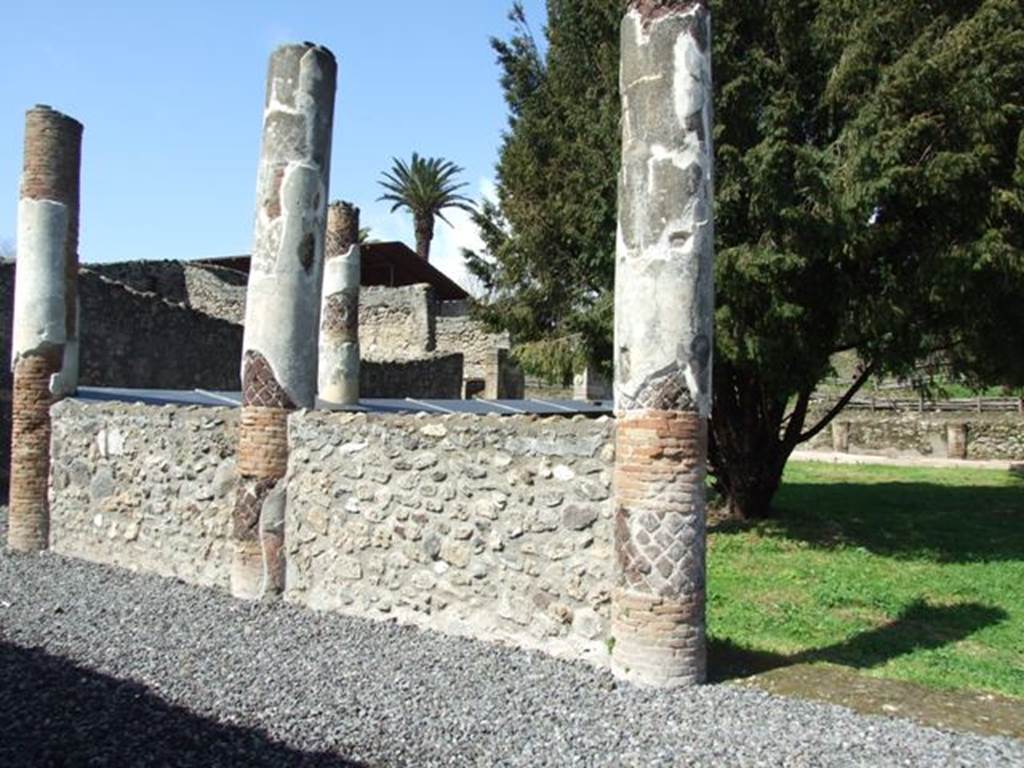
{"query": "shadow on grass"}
{"type": "Point", "coordinates": [919, 626]}
{"type": "Point", "coordinates": [944, 523]}
{"type": "Point", "coordinates": [54, 714]}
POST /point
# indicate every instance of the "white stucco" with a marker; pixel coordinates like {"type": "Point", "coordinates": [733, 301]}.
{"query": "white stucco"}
{"type": "Point", "coordinates": [39, 285]}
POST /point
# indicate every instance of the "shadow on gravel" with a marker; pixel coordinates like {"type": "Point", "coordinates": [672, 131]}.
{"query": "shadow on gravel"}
{"type": "Point", "coordinates": [55, 714]}
{"type": "Point", "coordinates": [919, 626]}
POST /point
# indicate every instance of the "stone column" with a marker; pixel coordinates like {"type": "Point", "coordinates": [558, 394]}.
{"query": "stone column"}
{"type": "Point", "coordinates": [956, 441]}
{"type": "Point", "coordinates": [841, 436]}
{"type": "Point", "coordinates": [338, 377]}
{"type": "Point", "coordinates": [589, 384]}
{"type": "Point", "coordinates": [282, 303]}
{"type": "Point", "coordinates": [44, 355]}
{"type": "Point", "coordinates": [664, 301]}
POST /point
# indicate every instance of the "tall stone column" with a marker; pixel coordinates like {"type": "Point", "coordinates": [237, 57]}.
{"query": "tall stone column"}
{"type": "Point", "coordinates": [664, 301]}
{"type": "Point", "coordinates": [338, 377]}
{"type": "Point", "coordinates": [279, 357]}
{"type": "Point", "coordinates": [44, 355]}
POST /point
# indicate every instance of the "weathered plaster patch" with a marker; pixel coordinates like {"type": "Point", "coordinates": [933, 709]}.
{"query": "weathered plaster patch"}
{"type": "Point", "coordinates": [39, 291]}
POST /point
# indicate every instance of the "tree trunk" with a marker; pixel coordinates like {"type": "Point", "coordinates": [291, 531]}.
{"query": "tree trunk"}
{"type": "Point", "coordinates": [749, 496]}
{"type": "Point", "coordinates": [752, 437]}
{"type": "Point", "coordinates": [424, 234]}
{"type": "Point", "coordinates": [746, 449]}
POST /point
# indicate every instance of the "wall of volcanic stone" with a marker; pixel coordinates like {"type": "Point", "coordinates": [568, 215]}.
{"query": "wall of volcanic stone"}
{"type": "Point", "coordinates": [910, 433]}
{"type": "Point", "coordinates": [486, 526]}
{"type": "Point", "coordinates": [493, 527]}
{"type": "Point", "coordinates": [144, 487]}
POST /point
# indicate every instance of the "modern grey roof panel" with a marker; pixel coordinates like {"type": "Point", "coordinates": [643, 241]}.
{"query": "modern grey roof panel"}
{"type": "Point", "coordinates": [207, 398]}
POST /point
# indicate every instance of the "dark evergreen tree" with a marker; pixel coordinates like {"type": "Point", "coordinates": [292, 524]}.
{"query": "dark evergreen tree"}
{"type": "Point", "coordinates": [870, 198]}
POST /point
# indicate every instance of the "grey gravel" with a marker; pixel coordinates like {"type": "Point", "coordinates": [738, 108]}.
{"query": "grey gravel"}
{"type": "Point", "coordinates": [101, 667]}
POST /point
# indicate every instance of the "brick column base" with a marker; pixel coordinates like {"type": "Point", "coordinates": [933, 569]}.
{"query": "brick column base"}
{"type": "Point", "coordinates": [257, 568]}
{"type": "Point", "coordinates": [660, 529]}
{"type": "Point", "coordinates": [28, 520]}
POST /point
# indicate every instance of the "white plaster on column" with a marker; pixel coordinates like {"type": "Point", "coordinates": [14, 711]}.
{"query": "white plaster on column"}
{"type": "Point", "coordinates": [39, 285]}
{"type": "Point", "coordinates": [282, 310]}
{"type": "Point", "coordinates": [664, 261]}
{"type": "Point", "coordinates": [338, 376]}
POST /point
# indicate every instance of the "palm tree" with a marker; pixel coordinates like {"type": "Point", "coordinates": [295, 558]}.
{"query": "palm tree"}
{"type": "Point", "coordinates": [426, 186]}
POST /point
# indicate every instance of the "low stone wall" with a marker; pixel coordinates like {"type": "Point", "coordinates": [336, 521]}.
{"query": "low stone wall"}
{"type": "Point", "coordinates": [908, 433]}
{"type": "Point", "coordinates": [144, 487]}
{"type": "Point", "coordinates": [435, 377]}
{"type": "Point", "coordinates": [487, 526]}
{"type": "Point", "coordinates": [132, 338]}
{"type": "Point", "coordinates": [494, 527]}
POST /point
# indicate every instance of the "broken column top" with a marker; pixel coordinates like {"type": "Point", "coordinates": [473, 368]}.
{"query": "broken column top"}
{"type": "Point", "coordinates": [342, 228]}
{"type": "Point", "coordinates": [652, 9]}
{"type": "Point", "coordinates": [53, 149]}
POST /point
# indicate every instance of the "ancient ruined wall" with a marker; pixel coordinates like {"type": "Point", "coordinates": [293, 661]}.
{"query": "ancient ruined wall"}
{"type": "Point", "coordinates": [495, 527]}
{"type": "Point", "coordinates": [134, 339]}
{"type": "Point", "coordinates": [908, 433]}
{"type": "Point", "coordinates": [458, 332]}
{"type": "Point", "coordinates": [211, 289]}
{"type": "Point", "coordinates": [396, 323]}
{"type": "Point", "coordinates": [145, 488]}
{"type": "Point", "coordinates": [437, 377]}
{"type": "Point", "coordinates": [131, 339]}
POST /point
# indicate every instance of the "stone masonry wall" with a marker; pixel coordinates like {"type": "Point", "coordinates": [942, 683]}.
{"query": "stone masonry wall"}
{"type": "Point", "coordinates": [396, 323]}
{"type": "Point", "coordinates": [131, 338]}
{"type": "Point", "coordinates": [136, 339]}
{"type": "Point", "coordinates": [146, 488]}
{"type": "Point", "coordinates": [910, 433]}
{"type": "Point", "coordinates": [458, 332]}
{"type": "Point", "coordinates": [436, 377]}
{"type": "Point", "coordinates": [494, 527]}
{"type": "Point", "coordinates": [214, 290]}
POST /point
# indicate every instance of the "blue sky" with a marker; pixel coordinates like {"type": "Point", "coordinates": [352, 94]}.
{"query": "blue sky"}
{"type": "Point", "coordinates": [171, 98]}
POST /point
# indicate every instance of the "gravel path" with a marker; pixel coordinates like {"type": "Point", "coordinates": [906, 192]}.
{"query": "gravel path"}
{"type": "Point", "coordinates": [102, 667]}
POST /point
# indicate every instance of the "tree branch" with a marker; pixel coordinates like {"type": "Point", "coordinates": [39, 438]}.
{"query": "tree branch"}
{"type": "Point", "coordinates": [796, 420]}
{"type": "Point", "coordinates": [840, 404]}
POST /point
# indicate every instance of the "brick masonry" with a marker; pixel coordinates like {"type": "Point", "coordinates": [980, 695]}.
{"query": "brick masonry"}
{"type": "Point", "coordinates": [28, 524]}
{"type": "Point", "coordinates": [664, 313]}
{"type": "Point", "coordinates": [660, 535]}
{"type": "Point", "coordinates": [45, 323]}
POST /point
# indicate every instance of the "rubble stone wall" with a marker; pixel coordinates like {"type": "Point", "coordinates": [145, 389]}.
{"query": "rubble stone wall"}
{"type": "Point", "coordinates": [146, 488]}
{"type": "Point", "coordinates": [458, 332]}
{"type": "Point", "coordinates": [491, 527]}
{"type": "Point", "coordinates": [910, 433]}
{"type": "Point", "coordinates": [495, 527]}
{"type": "Point", "coordinates": [396, 323]}
{"type": "Point", "coordinates": [217, 291]}
{"type": "Point", "coordinates": [435, 377]}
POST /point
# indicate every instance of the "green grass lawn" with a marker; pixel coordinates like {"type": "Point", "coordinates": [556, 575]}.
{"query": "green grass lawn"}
{"type": "Point", "coordinates": [913, 574]}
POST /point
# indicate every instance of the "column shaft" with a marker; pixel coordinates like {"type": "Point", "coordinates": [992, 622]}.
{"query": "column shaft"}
{"type": "Point", "coordinates": [663, 342]}
{"type": "Point", "coordinates": [338, 377]}
{"type": "Point", "coordinates": [279, 358]}
{"type": "Point", "coordinates": [45, 330]}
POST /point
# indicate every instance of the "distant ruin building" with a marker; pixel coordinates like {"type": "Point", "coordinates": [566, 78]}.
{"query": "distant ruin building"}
{"type": "Point", "coordinates": [418, 339]}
